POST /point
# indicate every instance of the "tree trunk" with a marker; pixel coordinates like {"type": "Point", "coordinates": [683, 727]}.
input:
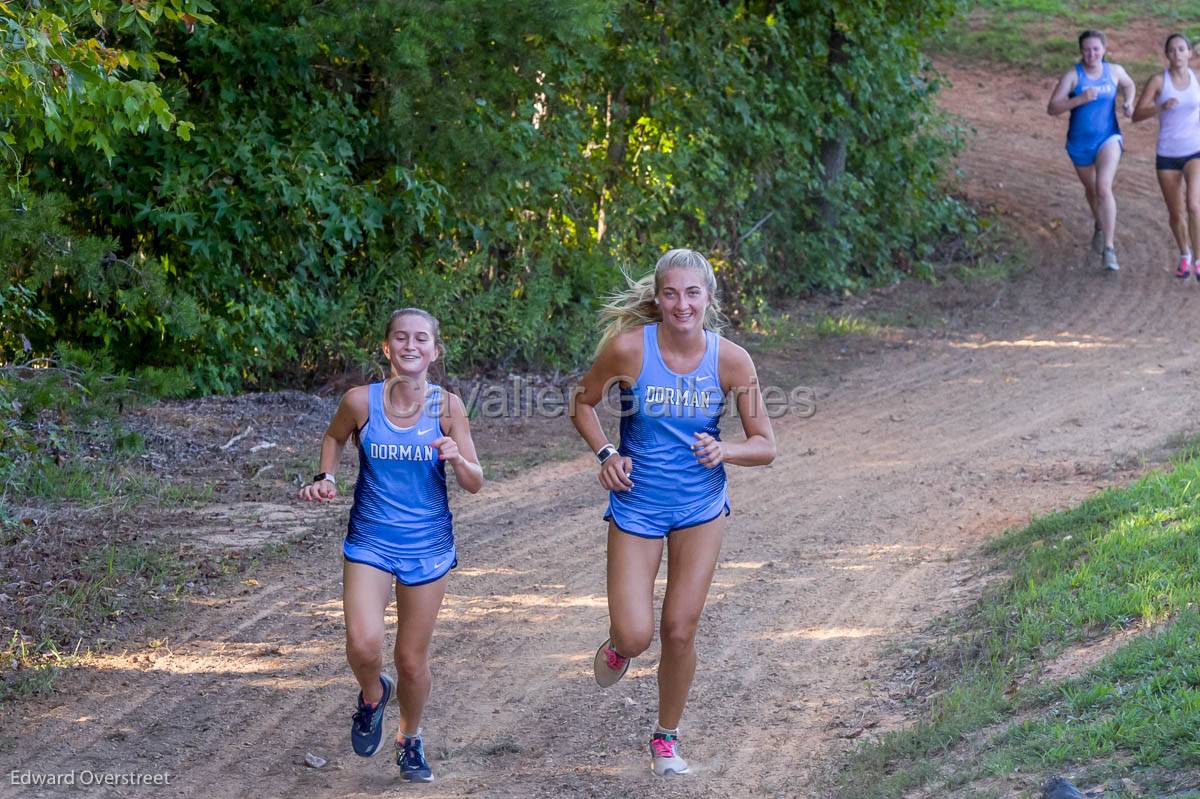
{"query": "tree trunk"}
{"type": "Point", "coordinates": [614, 157]}
{"type": "Point", "coordinates": [833, 145]}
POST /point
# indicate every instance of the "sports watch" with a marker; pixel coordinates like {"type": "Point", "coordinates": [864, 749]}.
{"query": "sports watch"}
{"type": "Point", "coordinates": [606, 452]}
{"type": "Point", "coordinates": [325, 476]}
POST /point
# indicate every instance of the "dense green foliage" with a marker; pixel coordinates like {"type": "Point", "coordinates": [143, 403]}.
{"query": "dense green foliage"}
{"type": "Point", "coordinates": [300, 168]}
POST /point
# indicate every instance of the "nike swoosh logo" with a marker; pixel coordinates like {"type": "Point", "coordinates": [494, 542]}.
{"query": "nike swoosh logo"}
{"type": "Point", "coordinates": [440, 565]}
{"type": "Point", "coordinates": [702, 379]}
{"type": "Point", "coordinates": [423, 432]}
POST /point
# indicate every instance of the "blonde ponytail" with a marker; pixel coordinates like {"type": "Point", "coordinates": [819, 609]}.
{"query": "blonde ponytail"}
{"type": "Point", "coordinates": [628, 308]}
{"type": "Point", "coordinates": [634, 305]}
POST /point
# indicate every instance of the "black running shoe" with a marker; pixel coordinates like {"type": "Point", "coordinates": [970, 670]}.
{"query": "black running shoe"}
{"type": "Point", "coordinates": [366, 727]}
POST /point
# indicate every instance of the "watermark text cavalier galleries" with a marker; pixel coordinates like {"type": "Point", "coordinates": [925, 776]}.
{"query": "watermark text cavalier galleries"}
{"type": "Point", "coordinates": [86, 777]}
{"type": "Point", "coordinates": [518, 397]}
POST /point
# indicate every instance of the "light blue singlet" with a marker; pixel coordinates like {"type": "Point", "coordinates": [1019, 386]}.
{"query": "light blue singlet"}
{"type": "Point", "coordinates": [1095, 122]}
{"type": "Point", "coordinates": [661, 413]}
{"type": "Point", "coordinates": [401, 521]}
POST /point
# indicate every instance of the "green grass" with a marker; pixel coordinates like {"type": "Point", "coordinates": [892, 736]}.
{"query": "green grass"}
{"type": "Point", "coordinates": [991, 272]}
{"type": "Point", "coordinates": [1126, 558]}
{"type": "Point", "coordinates": [775, 331]}
{"type": "Point", "coordinates": [31, 666]}
{"type": "Point", "coordinates": [1041, 34]}
{"type": "Point", "coordinates": [115, 585]}
{"type": "Point", "coordinates": [108, 480]}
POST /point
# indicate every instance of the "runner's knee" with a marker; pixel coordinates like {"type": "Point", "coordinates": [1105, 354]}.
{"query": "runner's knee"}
{"type": "Point", "coordinates": [364, 649]}
{"type": "Point", "coordinates": [411, 666]}
{"type": "Point", "coordinates": [679, 632]}
{"type": "Point", "coordinates": [632, 640]}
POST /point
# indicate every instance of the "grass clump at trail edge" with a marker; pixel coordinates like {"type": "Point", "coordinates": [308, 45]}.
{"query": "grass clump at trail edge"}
{"type": "Point", "coordinates": [1125, 560]}
{"type": "Point", "coordinates": [69, 571]}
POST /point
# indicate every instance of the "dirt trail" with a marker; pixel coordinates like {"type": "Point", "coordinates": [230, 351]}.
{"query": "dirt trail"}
{"type": "Point", "coordinates": [863, 531]}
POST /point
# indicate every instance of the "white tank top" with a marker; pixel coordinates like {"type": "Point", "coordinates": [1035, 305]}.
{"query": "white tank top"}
{"type": "Point", "coordinates": [1179, 127]}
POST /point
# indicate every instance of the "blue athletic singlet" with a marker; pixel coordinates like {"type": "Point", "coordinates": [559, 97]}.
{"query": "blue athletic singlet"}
{"type": "Point", "coordinates": [660, 415]}
{"type": "Point", "coordinates": [1095, 122]}
{"type": "Point", "coordinates": [400, 512]}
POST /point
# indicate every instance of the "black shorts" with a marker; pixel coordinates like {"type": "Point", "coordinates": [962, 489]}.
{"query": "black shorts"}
{"type": "Point", "coordinates": [1167, 164]}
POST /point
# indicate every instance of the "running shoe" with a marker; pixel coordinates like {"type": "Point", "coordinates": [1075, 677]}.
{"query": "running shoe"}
{"type": "Point", "coordinates": [1110, 259]}
{"type": "Point", "coordinates": [664, 755]}
{"type": "Point", "coordinates": [1185, 268]}
{"type": "Point", "coordinates": [609, 665]}
{"type": "Point", "coordinates": [366, 727]}
{"type": "Point", "coordinates": [1196, 265]}
{"type": "Point", "coordinates": [410, 757]}
{"type": "Point", "coordinates": [1098, 241]}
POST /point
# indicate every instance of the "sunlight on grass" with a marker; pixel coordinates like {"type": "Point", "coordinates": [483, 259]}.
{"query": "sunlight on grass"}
{"type": "Point", "coordinates": [1040, 34]}
{"type": "Point", "coordinates": [1126, 559]}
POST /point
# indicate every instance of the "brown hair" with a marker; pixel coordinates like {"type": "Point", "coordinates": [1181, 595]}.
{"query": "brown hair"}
{"type": "Point", "coordinates": [1173, 37]}
{"type": "Point", "coordinates": [1092, 35]}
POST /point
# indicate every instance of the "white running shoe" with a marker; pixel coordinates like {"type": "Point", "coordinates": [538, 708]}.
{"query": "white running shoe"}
{"type": "Point", "coordinates": [664, 755]}
{"type": "Point", "coordinates": [609, 665]}
{"type": "Point", "coordinates": [1110, 259]}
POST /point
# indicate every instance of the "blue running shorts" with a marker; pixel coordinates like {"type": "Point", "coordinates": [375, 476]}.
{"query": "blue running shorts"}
{"type": "Point", "coordinates": [408, 571]}
{"type": "Point", "coordinates": [656, 522]}
{"type": "Point", "coordinates": [1085, 155]}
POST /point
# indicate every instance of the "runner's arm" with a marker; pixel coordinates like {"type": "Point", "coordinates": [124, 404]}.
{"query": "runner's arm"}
{"type": "Point", "coordinates": [739, 376]}
{"type": "Point", "coordinates": [1147, 105]}
{"type": "Point", "coordinates": [1060, 99]}
{"type": "Point", "coordinates": [614, 363]}
{"type": "Point", "coordinates": [1128, 88]}
{"type": "Point", "coordinates": [458, 448]}
{"type": "Point", "coordinates": [351, 415]}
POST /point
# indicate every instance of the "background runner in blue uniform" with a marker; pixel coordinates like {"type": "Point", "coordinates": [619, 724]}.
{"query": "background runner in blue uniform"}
{"type": "Point", "coordinates": [667, 480]}
{"type": "Point", "coordinates": [406, 430]}
{"type": "Point", "coordinates": [1094, 142]}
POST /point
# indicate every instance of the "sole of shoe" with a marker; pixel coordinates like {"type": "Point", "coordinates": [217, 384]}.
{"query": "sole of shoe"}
{"type": "Point", "coordinates": [606, 677]}
{"type": "Point", "coordinates": [417, 778]}
{"type": "Point", "coordinates": [670, 772]}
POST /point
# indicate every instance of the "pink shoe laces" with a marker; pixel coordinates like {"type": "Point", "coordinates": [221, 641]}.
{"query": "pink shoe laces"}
{"type": "Point", "coordinates": [663, 747]}
{"type": "Point", "coordinates": [615, 659]}
{"type": "Point", "coordinates": [1182, 271]}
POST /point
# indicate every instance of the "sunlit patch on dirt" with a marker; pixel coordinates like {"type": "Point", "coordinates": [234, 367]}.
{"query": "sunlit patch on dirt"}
{"type": "Point", "coordinates": [825, 633]}
{"type": "Point", "coordinates": [1030, 343]}
{"type": "Point", "coordinates": [241, 525]}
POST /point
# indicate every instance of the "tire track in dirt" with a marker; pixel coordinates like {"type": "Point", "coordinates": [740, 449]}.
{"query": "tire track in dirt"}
{"type": "Point", "coordinates": [861, 533]}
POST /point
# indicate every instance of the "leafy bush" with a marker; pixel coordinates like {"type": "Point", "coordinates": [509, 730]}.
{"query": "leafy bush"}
{"type": "Point", "coordinates": [496, 161]}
